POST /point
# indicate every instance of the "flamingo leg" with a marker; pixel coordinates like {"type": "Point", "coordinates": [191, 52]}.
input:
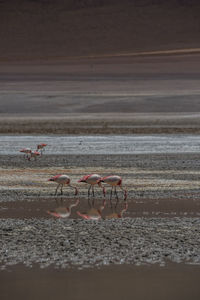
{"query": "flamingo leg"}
{"type": "Point", "coordinates": [89, 191]}
{"type": "Point", "coordinates": [89, 196]}
{"type": "Point", "coordinates": [93, 195]}
{"type": "Point", "coordinates": [73, 187]}
{"type": "Point", "coordinates": [61, 189]}
{"type": "Point", "coordinates": [103, 189]}
{"type": "Point", "coordinates": [116, 197]}
{"type": "Point", "coordinates": [111, 197]}
{"type": "Point", "coordinates": [56, 190]}
{"type": "Point", "coordinates": [125, 192]}
{"type": "Point", "coordinates": [92, 190]}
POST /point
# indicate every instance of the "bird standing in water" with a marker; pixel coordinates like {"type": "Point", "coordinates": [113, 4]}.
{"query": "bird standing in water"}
{"type": "Point", "coordinates": [62, 180]}
{"type": "Point", "coordinates": [114, 181]}
{"type": "Point", "coordinates": [26, 152]}
{"type": "Point", "coordinates": [41, 147]}
{"type": "Point", "coordinates": [33, 154]}
{"type": "Point", "coordinates": [92, 180]}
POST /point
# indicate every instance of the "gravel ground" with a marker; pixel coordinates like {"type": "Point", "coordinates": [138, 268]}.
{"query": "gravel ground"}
{"type": "Point", "coordinates": [189, 161]}
{"type": "Point", "coordinates": [68, 243]}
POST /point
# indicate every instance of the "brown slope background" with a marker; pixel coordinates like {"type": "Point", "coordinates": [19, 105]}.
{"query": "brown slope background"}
{"type": "Point", "coordinates": [47, 29]}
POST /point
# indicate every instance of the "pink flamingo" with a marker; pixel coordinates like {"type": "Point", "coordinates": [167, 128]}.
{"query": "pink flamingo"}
{"type": "Point", "coordinates": [92, 179]}
{"type": "Point", "coordinates": [26, 151]}
{"type": "Point", "coordinates": [62, 211]}
{"type": "Point", "coordinates": [93, 213]}
{"type": "Point", "coordinates": [61, 180]}
{"type": "Point", "coordinates": [115, 181]}
{"type": "Point", "coordinates": [118, 215]}
{"type": "Point", "coordinates": [41, 147]}
{"type": "Point", "coordinates": [33, 154]}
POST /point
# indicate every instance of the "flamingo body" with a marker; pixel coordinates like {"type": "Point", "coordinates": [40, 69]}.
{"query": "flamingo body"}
{"type": "Point", "coordinates": [25, 150]}
{"type": "Point", "coordinates": [114, 181]}
{"type": "Point", "coordinates": [92, 179]}
{"type": "Point", "coordinates": [61, 180]}
{"type": "Point", "coordinates": [33, 154]}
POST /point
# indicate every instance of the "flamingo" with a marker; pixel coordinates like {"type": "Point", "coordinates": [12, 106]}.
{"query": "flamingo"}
{"type": "Point", "coordinates": [93, 213]}
{"type": "Point", "coordinates": [118, 215]}
{"type": "Point", "coordinates": [61, 180]}
{"type": "Point", "coordinates": [27, 151]}
{"type": "Point", "coordinates": [33, 154]}
{"type": "Point", "coordinates": [62, 211]}
{"type": "Point", "coordinates": [92, 179]}
{"type": "Point", "coordinates": [41, 147]}
{"type": "Point", "coordinates": [115, 181]}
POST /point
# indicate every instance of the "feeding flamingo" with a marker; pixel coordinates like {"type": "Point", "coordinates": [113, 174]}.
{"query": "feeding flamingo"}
{"type": "Point", "coordinates": [41, 147]}
{"type": "Point", "coordinates": [61, 180]}
{"type": "Point", "coordinates": [62, 211]}
{"type": "Point", "coordinates": [115, 181]}
{"type": "Point", "coordinates": [92, 179]}
{"type": "Point", "coordinates": [118, 215]}
{"type": "Point", "coordinates": [93, 213]}
{"type": "Point", "coordinates": [33, 154]}
{"type": "Point", "coordinates": [26, 151]}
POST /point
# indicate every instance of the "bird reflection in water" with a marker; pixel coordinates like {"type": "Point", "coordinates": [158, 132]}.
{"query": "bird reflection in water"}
{"type": "Point", "coordinates": [62, 211]}
{"type": "Point", "coordinates": [115, 215]}
{"type": "Point", "coordinates": [93, 213]}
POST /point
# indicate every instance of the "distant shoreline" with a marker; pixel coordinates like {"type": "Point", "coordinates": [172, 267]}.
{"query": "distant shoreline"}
{"type": "Point", "coordinates": [48, 59]}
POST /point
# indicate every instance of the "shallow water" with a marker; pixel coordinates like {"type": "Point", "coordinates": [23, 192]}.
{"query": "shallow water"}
{"type": "Point", "coordinates": [103, 144]}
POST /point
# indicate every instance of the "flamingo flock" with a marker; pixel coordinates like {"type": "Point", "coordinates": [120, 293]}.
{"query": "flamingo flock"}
{"type": "Point", "coordinates": [29, 153]}
{"type": "Point", "coordinates": [92, 180]}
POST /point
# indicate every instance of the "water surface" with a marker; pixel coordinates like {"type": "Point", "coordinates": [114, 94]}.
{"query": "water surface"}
{"type": "Point", "coordinates": [103, 144]}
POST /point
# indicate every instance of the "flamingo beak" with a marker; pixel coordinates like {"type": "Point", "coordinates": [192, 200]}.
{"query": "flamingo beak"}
{"type": "Point", "coordinates": [76, 191]}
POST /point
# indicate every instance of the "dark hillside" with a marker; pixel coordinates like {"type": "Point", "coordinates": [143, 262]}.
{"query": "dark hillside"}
{"type": "Point", "coordinates": [31, 29]}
